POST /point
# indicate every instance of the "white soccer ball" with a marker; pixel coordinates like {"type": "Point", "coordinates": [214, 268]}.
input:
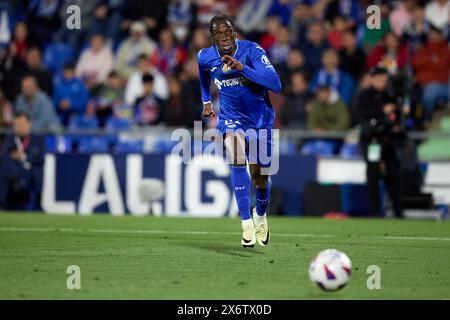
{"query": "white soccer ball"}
{"type": "Point", "coordinates": [330, 270]}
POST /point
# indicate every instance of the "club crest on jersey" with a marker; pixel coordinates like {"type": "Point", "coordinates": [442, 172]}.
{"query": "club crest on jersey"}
{"type": "Point", "coordinates": [225, 68]}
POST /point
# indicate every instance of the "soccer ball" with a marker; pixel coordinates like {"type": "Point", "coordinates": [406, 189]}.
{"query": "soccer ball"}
{"type": "Point", "coordinates": [330, 270]}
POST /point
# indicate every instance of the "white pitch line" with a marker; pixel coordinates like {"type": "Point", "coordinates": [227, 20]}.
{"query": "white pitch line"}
{"type": "Point", "coordinates": [302, 235]}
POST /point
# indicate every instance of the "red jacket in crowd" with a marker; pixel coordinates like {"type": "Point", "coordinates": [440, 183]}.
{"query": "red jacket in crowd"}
{"type": "Point", "coordinates": [432, 63]}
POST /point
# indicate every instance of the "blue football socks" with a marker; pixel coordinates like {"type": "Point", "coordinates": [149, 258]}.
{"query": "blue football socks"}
{"type": "Point", "coordinates": [240, 181]}
{"type": "Point", "coordinates": [262, 199]}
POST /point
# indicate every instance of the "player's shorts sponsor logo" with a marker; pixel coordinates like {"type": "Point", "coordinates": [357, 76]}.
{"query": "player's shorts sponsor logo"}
{"type": "Point", "coordinates": [240, 81]}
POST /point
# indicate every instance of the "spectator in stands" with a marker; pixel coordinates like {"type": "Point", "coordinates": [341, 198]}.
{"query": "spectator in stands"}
{"type": "Point", "coordinates": [75, 37]}
{"type": "Point", "coordinates": [437, 13]}
{"type": "Point", "coordinates": [107, 98]}
{"type": "Point", "coordinates": [182, 18]}
{"type": "Point", "coordinates": [282, 9]}
{"type": "Point", "coordinates": [336, 33]}
{"type": "Point", "coordinates": [135, 86]}
{"type": "Point", "coordinates": [21, 42]}
{"type": "Point", "coordinates": [391, 54]}
{"type": "Point", "coordinates": [37, 104]}
{"type": "Point", "coordinates": [168, 56]}
{"type": "Point", "coordinates": [42, 19]}
{"type": "Point", "coordinates": [70, 96]}
{"type": "Point", "coordinates": [95, 63]}
{"type": "Point", "coordinates": [136, 44]}
{"type": "Point", "coordinates": [315, 46]}
{"type": "Point", "coordinates": [200, 39]}
{"type": "Point", "coordinates": [372, 37]}
{"type": "Point", "coordinates": [174, 113]}
{"type": "Point", "coordinates": [416, 32]}
{"type": "Point", "coordinates": [268, 38]}
{"type": "Point", "coordinates": [301, 19]}
{"type": "Point", "coordinates": [295, 108]}
{"type": "Point", "coordinates": [432, 65]}
{"type": "Point", "coordinates": [21, 166]}
{"type": "Point", "coordinates": [402, 16]}
{"type": "Point", "coordinates": [6, 110]}
{"type": "Point", "coordinates": [148, 109]}
{"type": "Point", "coordinates": [251, 19]}
{"type": "Point", "coordinates": [295, 63]}
{"type": "Point", "coordinates": [332, 76]}
{"type": "Point", "coordinates": [35, 68]}
{"type": "Point", "coordinates": [191, 97]}
{"type": "Point", "coordinates": [106, 19]}
{"type": "Point", "coordinates": [152, 13]}
{"type": "Point", "coordinates": [352, 58]}
{"type": "Point", "coordinates": [328, 112]}
{"type": "Point", "coordinates": [279, 51]}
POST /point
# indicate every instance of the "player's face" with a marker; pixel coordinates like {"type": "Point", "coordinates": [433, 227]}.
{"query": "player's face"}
{"type": "Point", "coordinates": [224, 38]}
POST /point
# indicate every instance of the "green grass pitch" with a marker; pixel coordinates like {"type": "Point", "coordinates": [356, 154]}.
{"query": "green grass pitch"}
{"type": "Point", "coordinates": [195, 258]}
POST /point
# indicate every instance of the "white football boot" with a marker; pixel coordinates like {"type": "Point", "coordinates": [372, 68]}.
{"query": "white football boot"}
{"type": "Point", "coordinates": [248, 234]}
{"type": "Point", "coordinates": [261, 228]}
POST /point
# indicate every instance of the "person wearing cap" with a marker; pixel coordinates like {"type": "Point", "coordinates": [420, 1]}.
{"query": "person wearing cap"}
{"type": "Point", "coordinates": [432, 65]}
{"type": "Point", "coordinates": [137, 44]}
{"type": "Point", "coordinates": [378, 116]}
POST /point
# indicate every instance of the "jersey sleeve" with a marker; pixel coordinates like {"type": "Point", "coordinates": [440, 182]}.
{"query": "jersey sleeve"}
{"type": "Point", "coordinates": [205, 79]}
{"type": "Point", "coordinates": [262, 72]}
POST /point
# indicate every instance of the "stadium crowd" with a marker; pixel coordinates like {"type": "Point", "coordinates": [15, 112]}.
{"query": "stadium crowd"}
{"type": "Point", "coordinates": [136, 59]}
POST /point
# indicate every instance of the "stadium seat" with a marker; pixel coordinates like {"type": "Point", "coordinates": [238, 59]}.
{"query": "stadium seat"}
{"type": "Point", "coordinates": [287, 147]}
{"type": "Point", "coordinates": [93, 145]}
{"type": "Point", "coordinates": [129, 146]}
{"type": "Point", "coordinates": [321, 148]}
{"type": "Point", "coordinates": [58, 144]}
{"type": "Point", "coordinates": [56, 55]}
{"type": "Point", "coordinates": [350, 151]}
{"type": "Point", "coordinates": [82, 122]}
{"type": "Point", "coordinates": [118, 124]}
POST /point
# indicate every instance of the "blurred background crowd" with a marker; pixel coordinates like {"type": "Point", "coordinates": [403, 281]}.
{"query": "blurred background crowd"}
{"type": "Point", "coordinates": [135, 60]}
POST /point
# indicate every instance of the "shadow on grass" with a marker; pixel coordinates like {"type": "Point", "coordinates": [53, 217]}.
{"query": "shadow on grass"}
{"type": "Point", "coordinates": [227, 249]}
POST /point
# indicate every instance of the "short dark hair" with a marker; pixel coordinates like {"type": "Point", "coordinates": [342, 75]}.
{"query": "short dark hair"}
{"type": "Point", "coordinates": [378, 70]}
{"type": "Point", "coordinates": [69, 66]}
{"type": "Point", "coordinates": [20, 114]}
{"type": "Point", "coordinates": [220, 19]}
{"type": "Point", "coordinates": [142, 56]}
{"type": "Point", "coordinates": [113, 73]}
{"type": "Point", "coordinates": [148, 78]}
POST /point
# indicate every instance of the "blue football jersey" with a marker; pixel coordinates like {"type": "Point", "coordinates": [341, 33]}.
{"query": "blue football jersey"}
{"type": "Point", "coordinates": [243, 95]}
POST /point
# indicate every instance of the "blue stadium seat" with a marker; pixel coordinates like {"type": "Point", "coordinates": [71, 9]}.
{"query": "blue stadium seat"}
{"type": "Point", "coordinates": [350, 151]}
{"type": "Point", "coordinates": [82, 122]}
{"type": "Point", "coordinates": [321, 148]}
{"type": "Point", "coordinates": [129, 146]}
{"type": "Point", "coordinates": [287, 147]}
{"type": "Point", "coordinates": [118, 124]}
{"type": "Point", "coordinates": [56, 55]}
{"type": "Point", "coordinates": [58, 144]}
{"type": "Point", "coordinates": [93, 145]}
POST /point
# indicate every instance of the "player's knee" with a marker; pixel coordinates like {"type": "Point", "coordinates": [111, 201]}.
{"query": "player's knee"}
{"type": "Point", "coordinates": [260, 182]}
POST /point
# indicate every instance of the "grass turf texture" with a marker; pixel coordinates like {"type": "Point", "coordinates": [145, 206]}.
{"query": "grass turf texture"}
{"type": "Point", "coordinates": [193, 258]}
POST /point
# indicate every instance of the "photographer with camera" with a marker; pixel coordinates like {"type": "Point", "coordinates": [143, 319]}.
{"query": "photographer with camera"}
{"type": "Point", "coordinates": [381, 137]}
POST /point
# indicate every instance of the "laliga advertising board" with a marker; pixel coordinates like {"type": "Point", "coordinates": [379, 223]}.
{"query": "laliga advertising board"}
{"type": "Point", "coordinates": [85, 184]}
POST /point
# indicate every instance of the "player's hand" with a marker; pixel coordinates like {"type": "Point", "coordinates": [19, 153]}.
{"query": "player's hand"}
{"type": "Point", "coordinates": [232, 63]}
{"type": "Point", "coordinates": [208, 110]}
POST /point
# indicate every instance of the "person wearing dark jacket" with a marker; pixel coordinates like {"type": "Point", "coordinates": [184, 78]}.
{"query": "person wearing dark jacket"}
{"type": "Point", "coordinates": [21, 166]}
{"type": "Point", "coordinates": [378, 116]}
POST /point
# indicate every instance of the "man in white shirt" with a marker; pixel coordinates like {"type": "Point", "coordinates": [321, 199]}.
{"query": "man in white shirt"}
{"type": "Point", "coordinates": [437, 13]}
{"type": "Point", "coordinates": [135, 87]}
